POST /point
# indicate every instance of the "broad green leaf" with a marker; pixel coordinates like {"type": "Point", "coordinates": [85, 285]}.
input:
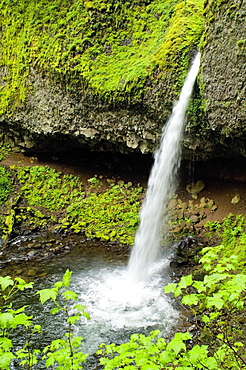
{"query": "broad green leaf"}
{"type": "Point", "coordinates": [166, 357]}
{"type": "Point", "coordinates": [205, 319]}
{"type": "Point", "coordinates": [58, 284]}
{"type": "Point", "coordinates": [67, 278]}
{"type": "Point", "coordinates": [190, 299]}
{"type": "Point", "coordinates": [197, 354]}
{"type": "Point", "coordinates": [46, 294]}
{"type": "Point", "coordinates": [54, 310]}
{"type": "Point", "coordinates": [210, 363]}
{"type": "Point", "coordinates": [70, 295]}
{"type": "Point", "coordinates": [200, 286]}
{"type": "Point", "coordinates": [185, 281]}
{"type": "Point", "coordinates": [81, 309]}
{"type": "Point", "coordinates": [6, 319]}
{"type": "Point", "coordinates": [170, 288]}
{"type": "Point", "coordinates": [73, 319]}
{"type": "Point", "coordinates": [216, 301]}
{"type": "Point", "coordinates": [5, 359]}
{"type": "Point", "coordinates": [21, 319]}
{"type": "Point", "coordinates": [5, 282]}
{"type": "Point", "coordinates": [177, 343]}
{"type": "Point", "coordinates": [213, 279]}
{"type": "Point", "coordinates": [22, 284]}
{"type": "Point", "coordinates": [177, 292]}
{"type": "Point", "coordinates": [5, 343]}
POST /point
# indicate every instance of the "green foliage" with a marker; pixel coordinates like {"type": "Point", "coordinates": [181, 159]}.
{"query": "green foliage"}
{"type": "Point", "coordinates": [45, 187]}
{"type": "Point", "coordinates": [64, 353]}
{"type": "Point", "coordinates": [88, 43]}
{"type": "Point", "coordinates": [4, 150]}
{"type": "Point", "coordinates": [46, 196]}
{"type": "Point", "coordinates": [216, 301]}
{"type": "Point", "coordinates": [6, 184]}
{"type": "Point", "coordinates": [232, 235]}
{"type": "Point", "coordinates": [10, 319]}
{"type": "Point", "coordinates": [110, 215]}
{"type": "Point", "coordinates": [95, 183]}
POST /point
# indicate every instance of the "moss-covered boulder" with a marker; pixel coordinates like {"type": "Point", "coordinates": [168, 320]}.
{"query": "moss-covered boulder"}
{"type": "Point", "coordinates": [103, 74]}
{"type": "Point", "coordinates": [106, 74]}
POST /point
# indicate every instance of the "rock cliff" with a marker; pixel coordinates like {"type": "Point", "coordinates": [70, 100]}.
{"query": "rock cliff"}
{"type": "Point", "coordinates": [223, 73]}
{"type": "Point", "coordinates": [105, 75]}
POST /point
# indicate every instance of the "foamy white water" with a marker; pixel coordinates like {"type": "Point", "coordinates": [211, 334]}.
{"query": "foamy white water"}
{"type": "Point", "coordinates": [119, 306]}
{"type": "Point", "coordinates": [161, 184]}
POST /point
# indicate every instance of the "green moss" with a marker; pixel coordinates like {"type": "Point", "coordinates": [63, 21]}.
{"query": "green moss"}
{"type": "Point", "coordinates": [45, 187]}
{"type": "Point", "coordinates": [6, 184]}
{"type": "Point", "coordinates": [241, 43]}
{"type": "Point", "coordinates": [110, 47]}
{"type": "Point", "coordinates": [4, 150]}
{"type": "Point", "coordinates": [108, 215]}
{"type": "Point", "coordinates": [47, 197]}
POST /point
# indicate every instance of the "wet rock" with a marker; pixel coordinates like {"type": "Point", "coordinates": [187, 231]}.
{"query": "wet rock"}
{"type": "Point", "coordinates": [203, 201]}
{"type": "Point", "coordinates": [210, 203]}
{"type": "Point", "coordinates": [31, 272]}
{"type": "Point", "coordinates": [194, 219]}
{"type": "Point", "coordinates": [37, 246]}
{"type": "Point", "coordinates": [195, 188]}
{"type": "Point", "coordinates": [236, 199]}
{"type": "Point", "coordinates": [182, 256]}
{"type": "Point", "coordinates": [214, 208]}
{"type": "Point", "coordinates": [32, 254]}
{"type": "Point", "coordinates": [177, 262]}
{"type": "Point", "coordinates": [19, 272]}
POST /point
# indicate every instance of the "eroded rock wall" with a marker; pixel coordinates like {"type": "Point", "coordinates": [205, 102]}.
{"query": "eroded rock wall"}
{"type": "Point", "coordinates": [62, 90]}
{"type": "Point", "coordinates": [223, 73]}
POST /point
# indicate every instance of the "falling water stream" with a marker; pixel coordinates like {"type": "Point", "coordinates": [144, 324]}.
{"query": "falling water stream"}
{"type": "Point", "coordinates": [161, 183]}
{"type": "Point", "coordinates": [125, 299]}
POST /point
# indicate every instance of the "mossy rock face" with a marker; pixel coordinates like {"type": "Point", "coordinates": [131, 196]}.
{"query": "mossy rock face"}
{"type": "Point", "coordinates": [223, 73]}
{"type": "Point", "coordinates": [106, 74]}
{"type": "Point", "coordinates": [96, 73]}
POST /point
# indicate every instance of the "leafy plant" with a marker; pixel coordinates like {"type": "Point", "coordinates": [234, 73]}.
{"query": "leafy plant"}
{"type": "Point", "coordinates": [94, 182]}
{"type": "Point", "coordinates": [232, 235]}
{"type": "Point", "coordinates": [215, 302]}
{"type": "Point", "coordinates": [45, 187]}
{"type": "Point", "coordinates": [6, 184]}
{"type": "Point", "coordinates": [64, 353]}
{"type": "Point", "coordinates": [10, 319]}
{"type": "Point", "coordinates": [108, 215]}
{"type": "Point", "coordinates": [4, 150]}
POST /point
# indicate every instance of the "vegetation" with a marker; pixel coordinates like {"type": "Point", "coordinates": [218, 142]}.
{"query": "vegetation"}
{"type": "Point", "coordinates": [47, 188]}
{"type": "Point", "coordinates": [87, 43]}
{"type": "Point", "coordinates": [46, 196]}
{"type": "Point", "coordinates": [4, 150]}
{"type": "Point", "coordinates": [5, 184]}
{"type": "Point", "coordinates": [64, 353]}
{"type": "Point", "coordinates": [217, 301]}
{"type": "Point", "coordinates": [232, 234]}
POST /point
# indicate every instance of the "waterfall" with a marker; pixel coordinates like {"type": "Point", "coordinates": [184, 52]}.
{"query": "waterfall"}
{"type": "Point", "coordinates": [161, 184]}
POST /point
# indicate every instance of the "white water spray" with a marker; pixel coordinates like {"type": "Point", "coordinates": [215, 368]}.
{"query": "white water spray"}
{"type": "Point", "coordinates": [161, 184]}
